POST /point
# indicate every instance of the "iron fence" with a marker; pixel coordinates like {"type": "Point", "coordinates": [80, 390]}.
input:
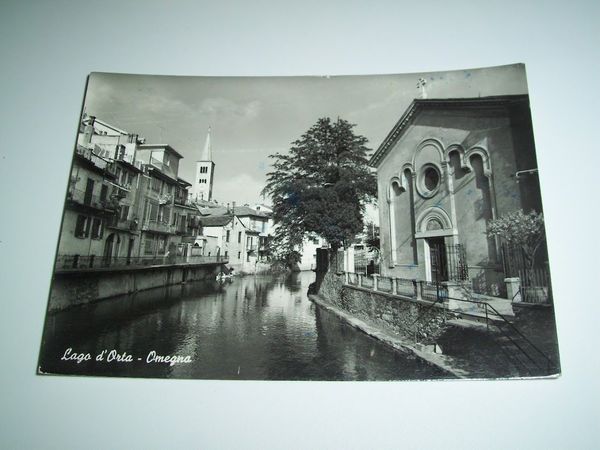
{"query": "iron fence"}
{"type": "Point", "coordinates": [535, 281]}
{"type": "Point", "coordinates": [93, 262]}
{"type": "Point", "coordinates": [366, 262]}
{"type": "Point", "coordinates": [535, 285]}
{"type": "Point", "coordinates": [433, 291]}
{"type": "Point", "coordinates": [449, 263]}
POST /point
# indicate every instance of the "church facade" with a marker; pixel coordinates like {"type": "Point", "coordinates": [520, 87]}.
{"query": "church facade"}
{"type": "Point", "coordinates": [446, 169]}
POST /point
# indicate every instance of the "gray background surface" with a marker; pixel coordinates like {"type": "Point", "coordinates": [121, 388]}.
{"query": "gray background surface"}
{"type": "Point", "coordinates": [46, 51]}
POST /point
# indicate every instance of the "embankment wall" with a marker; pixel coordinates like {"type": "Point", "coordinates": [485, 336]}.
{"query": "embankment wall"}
{"type": "Point", "coordinates": [72, 288]}
{"type": "Point", "coordinates": [406, 317]}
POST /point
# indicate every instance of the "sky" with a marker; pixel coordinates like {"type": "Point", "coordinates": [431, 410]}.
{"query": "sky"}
{"type": "Point", "coordinates": [254, 117]}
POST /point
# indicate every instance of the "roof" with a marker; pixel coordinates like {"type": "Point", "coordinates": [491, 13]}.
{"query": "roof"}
{"type": "Point", "coordinates": [182, 182]}
{"type": "Point", "coordinates": [160, 146]}
{"type": "Point", "coordinates": [213, 211]}
{"type": "Point", "coordinates": [160, 174]}
{"type": "Point", "coordinates": [215, 221]}
{"type": "Point", "coordinates": [247, 211]}
{"type": "Point", "coordinates": [88, 119]}
{"type": "Point", "coordinates": [419, 104]}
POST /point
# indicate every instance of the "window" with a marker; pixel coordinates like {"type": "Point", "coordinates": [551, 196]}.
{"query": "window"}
{"type": "Point", "coordinates": [247, 257]}
{"type": "Point", "coordinates": [80, 226]}
{"type": "Point", "coordinates": [227, 235]}
{"type": "Point", "coordinates": [103, 193]}
{"type": "Point", "coordinates": [97, 230]}
{"type": "Point", "coordinates": [89, 190]}
{"type": "Point", "coordinates": [429, 180]}
{"type": "Point", "coordinates": [149, 245]}
{"type": "Point", "coordinates": [156, 184]}
{"type": "Point", "coordinates": [124, 212]}
{"type": "Point", "coordinates": [153, 212]}
{"type": "Point", "coordinates": [226, 253]}
{"type": "Point", "coordinates": [239, 237]}
{"type": "Point", "coordinates": [239, 255]}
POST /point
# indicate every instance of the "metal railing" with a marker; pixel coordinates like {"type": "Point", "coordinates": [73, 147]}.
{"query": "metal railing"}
{"type": "Point", "coordinates": [498, 320]}
{"type": "Point", "coordinates": [123, 224]}
{"type": "Point", "coordinates": [161, 227]}
{"type": "Point", "coordinates": [437, 294]}
{"type": "Point", "coordinates": [92, 200]}
{"type": "Point", "coordinates": [433, 291]}
{"type": "Point", "coordinates": [94, 262]}
{"type": "Point", "coordinates": [89, 154]}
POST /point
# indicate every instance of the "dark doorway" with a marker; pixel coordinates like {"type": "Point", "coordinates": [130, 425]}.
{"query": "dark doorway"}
{"type": "Point", "coordinates": [89, 190]}
{"type": "Point", "coordinates": [439, 263]}
{"type": "Point", "coordinates": [130, 249]}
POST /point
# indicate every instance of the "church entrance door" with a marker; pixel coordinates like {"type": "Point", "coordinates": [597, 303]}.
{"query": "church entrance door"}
{"type": "Point", "coordinates": [438, 259]}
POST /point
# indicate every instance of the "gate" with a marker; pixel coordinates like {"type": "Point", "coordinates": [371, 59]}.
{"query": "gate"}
{"type": "Point", "coordinates": [535, 282]}
{"type": "Point", "coordinates": [448, 262]}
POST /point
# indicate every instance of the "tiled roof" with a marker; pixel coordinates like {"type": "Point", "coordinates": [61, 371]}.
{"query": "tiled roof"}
{"type": "Point", "coordinates": [215, 221]}
{"type": "Point", "coordinates": [247, 211]}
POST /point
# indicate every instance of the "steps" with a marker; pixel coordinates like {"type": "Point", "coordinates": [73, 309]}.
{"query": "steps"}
{"type": "Point", "coordinates": [522, 352]}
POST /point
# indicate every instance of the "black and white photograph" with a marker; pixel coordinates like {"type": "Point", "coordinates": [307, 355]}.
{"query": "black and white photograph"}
{"type": "Point", "coordinates": [315, 228]}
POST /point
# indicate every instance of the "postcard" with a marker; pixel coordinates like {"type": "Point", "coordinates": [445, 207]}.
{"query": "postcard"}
{"type": "Point", "coordinates": [376, 227]}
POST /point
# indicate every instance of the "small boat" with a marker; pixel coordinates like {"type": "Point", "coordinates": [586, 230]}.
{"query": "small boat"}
{"type": "Point", "coordinates": [223, 276]}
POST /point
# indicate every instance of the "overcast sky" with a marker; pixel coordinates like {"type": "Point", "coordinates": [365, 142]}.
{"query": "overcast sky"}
{"type": "Point", "coordinates": [252, 118]}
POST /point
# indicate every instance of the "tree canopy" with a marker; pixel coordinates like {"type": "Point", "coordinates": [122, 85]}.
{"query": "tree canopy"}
{"type": "Point", "coordinates": [321, 186]}
{"type": "Point", "coordinates": [519, 229]}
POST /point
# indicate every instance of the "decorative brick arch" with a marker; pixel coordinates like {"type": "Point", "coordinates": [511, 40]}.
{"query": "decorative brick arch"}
{"type": "Point", "coordinates": [433, 142]}
{"type": "Point", "coordinates": [433, 213]}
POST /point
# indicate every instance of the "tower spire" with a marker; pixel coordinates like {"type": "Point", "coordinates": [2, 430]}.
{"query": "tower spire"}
{"type": "Point", "coordinates": [205, 169]}
{"type": "Point", "coordinates": [207, 151]}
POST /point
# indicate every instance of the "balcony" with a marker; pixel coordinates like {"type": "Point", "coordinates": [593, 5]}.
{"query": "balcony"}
{"type": "Point", "coordinates": [182, 230]}
{"type": "Point", "coordinates": [181, 200]}
{"type": "Point", "coordinates": [88, 154]}
{"type": "Point", "coordinates": [158, 227]}
{"type": "Point", "coordinates": [126, 225]}
{"type": "Point", "coordinates": [89, 200]}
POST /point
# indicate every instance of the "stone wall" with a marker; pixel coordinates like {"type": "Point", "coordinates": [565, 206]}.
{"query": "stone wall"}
{"type": "Point", "coordinates": [408, 318]}
{"type": "Point", "coordinates": [79, 287]}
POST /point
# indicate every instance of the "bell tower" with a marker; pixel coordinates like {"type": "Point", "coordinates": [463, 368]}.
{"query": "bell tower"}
{"type": "Point", "coordinates": [205, 170]}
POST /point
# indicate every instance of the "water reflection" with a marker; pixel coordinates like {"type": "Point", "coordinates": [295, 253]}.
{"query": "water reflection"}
{"type": "Point", "coordinates": [260, 327]}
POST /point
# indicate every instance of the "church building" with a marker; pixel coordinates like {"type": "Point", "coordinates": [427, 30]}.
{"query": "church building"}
{"type": "Point", "coordinates": [446, 169]}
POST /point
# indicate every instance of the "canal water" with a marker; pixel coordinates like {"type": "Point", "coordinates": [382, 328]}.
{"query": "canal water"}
{"type": "Point", "coordinates": [256, 327]}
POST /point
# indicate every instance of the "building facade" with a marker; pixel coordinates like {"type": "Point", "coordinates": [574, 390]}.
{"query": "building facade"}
{"type": "Point", "coordinates": [444, 171]}
{"type": "Point", "coordinates": [158, 236]}
{"type": "Point", "coordinates": [125, 200]}
{"type": "Point", "coordinates": [240, 234]}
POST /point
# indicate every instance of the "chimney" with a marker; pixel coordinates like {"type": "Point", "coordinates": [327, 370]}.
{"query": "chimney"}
{"type": "Point", "coordinates": [88, 131]}
{"type": "Point", "coordinates": [233, 208]}
{"type": "Point", "coordinates": [228, 210]}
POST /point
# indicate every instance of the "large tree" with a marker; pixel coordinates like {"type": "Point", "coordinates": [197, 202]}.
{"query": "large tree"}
{"type": "Point", "coordinates": [321, 186]}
